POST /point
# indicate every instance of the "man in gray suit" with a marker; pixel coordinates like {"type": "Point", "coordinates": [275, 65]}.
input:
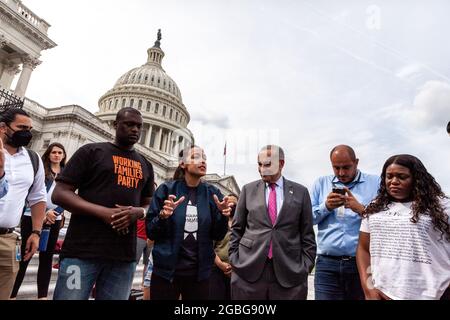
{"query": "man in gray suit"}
{"type": "Point", "coordinates": [272, 246]}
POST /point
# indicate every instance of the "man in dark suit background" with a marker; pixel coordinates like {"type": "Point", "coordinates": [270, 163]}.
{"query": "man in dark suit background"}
{"type": "Point", "coordinates": [272, 247]}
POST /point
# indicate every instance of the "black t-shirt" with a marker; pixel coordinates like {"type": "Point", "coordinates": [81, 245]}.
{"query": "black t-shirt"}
{"type": "Point", "coordinates": [188, 257]}
{"type": "Point", "coordinates": [105, 175]}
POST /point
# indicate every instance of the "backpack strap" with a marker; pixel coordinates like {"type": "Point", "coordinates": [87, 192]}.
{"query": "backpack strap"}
{"type": "Point", "coordinates": [35, 163]}
{"type": "Point", "coordinates": [34, 160]}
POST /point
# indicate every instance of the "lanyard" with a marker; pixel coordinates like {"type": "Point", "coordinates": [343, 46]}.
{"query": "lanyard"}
{"type": "Point", "coordinates": [350, 185]}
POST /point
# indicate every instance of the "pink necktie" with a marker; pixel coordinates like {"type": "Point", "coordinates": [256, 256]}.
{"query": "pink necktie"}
{"type": "Point", "coordinates": [272, 211]}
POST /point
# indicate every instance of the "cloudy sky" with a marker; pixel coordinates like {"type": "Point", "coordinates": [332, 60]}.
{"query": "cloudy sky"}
{"type": "Point", "coordinates": [307, 75]}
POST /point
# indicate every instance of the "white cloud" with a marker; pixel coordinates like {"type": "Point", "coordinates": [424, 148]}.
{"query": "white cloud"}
{"type": "Point", "coordinates": [409, 71]}
{"type": "Point", "coordinates": [431, 106]}
{"type": "Point", "coordinates": [210, 116]}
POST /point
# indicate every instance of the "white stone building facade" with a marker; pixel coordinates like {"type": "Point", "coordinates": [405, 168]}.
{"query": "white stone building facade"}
{"type": "Point", "coordinates": [23, 37]}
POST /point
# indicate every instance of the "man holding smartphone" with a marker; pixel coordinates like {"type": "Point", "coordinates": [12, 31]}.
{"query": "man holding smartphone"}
{"type": "Point", "coordinates": [338, 200]}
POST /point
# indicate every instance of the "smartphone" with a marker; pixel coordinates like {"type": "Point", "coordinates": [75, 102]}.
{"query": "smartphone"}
{"type": "Point", "coordinates": [341, 208]}
{"type": "Point", "coordinates": [339, 191]}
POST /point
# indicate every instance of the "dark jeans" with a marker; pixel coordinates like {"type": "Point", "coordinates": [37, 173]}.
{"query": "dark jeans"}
{"type": "Point", "coordinates": [45, 258]}
{"type": "Point", "coordinates": [186, 286]}
{"type": "Point", "coordinates": [219, 285]}
{"type": "Point", "coordinates": [337, 279]}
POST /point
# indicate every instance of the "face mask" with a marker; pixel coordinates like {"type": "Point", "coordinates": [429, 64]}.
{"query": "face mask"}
{"type": "Point", "coordinates": [19, 138]}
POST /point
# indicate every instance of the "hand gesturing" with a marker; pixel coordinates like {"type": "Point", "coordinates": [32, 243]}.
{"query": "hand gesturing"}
{"type": "Point", "coordinates": [170, 205]}
{"type": "Point", "coordinates": [224, 206]}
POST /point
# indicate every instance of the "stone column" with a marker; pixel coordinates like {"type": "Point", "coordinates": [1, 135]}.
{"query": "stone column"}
{"type": "Point", "coordinates": [3, 43]}
{"type": "Point", "coordinates": [10, 69]}
{"type": "Point", "coordinates": [174, 147]}
{"type": "Point", "coordinates": [163, 141]}
{"type": "Point", "coordinates": [166, 142]}
{"type": "Point", "coordinates": [148, 136]}
{"type": "Point", "coordinates": [158, 139]}
{"type": "Point", "coordinates": [29, 64]}
{"type": "Point", "coordinates": [169, 142]}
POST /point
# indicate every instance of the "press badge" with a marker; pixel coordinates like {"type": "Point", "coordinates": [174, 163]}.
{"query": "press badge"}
{"type": "Point", "coordinates": [18, 251]}
{"type": "Point", "coordinates": [341, 212]}
{"type": "Point", "coordinates": [18, 255]}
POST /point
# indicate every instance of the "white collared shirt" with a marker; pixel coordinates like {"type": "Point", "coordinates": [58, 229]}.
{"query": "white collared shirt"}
{"type": "Point", "coordinates": [279, 189]}
{"type": "Point", "coordinates": [3, 187]}
{"type": "Point", "coordinates": [19, 173]}
{"type": "Point", "coordinates": [50, 204]}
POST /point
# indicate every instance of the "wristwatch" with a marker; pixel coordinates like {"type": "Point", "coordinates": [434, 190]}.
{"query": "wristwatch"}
{"type": "Point", "coordinates": [38, 232]}
{"type": "Point", "coordinates": [145, 214]}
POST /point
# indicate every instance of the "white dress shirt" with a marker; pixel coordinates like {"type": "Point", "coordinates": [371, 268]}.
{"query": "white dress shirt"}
{"type": "Point", "coordinates": [3, 186]}
{"type": "Point", "coordinates": [19, 173]}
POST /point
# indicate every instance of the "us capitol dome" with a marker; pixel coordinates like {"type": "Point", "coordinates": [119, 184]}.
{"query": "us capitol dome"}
{"type": "Point", "coordinates": [155, 94]}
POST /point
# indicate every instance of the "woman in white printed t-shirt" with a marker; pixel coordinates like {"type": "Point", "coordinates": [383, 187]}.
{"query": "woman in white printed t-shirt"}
{"type": "Point", "coordinates": [404, 241]}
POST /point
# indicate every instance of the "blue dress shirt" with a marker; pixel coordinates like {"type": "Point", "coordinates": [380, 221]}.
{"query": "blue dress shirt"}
{"type": "Point", "coordinates": [338, 233]}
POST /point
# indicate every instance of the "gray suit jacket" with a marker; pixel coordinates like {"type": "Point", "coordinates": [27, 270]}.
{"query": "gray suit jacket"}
{"type": "Point", "coordinates": [293, 239]}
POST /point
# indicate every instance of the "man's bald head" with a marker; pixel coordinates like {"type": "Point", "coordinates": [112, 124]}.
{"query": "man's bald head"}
{"type": "Point", "coordinates": [344, 162]}
{"type": "Point", "coordinates": [342, 148]}
{"type": "Point", "coordinates": [270, 163]}
{"type": "Point", "coordinates": [122, 114]}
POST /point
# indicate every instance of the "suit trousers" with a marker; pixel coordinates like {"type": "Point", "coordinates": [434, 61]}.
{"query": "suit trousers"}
{"type": "Point", "coordinates": [266, 287]}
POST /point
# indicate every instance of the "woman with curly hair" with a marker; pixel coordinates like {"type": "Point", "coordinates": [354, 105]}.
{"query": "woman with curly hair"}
{"type": "Point", "coordinates": [404, 242]}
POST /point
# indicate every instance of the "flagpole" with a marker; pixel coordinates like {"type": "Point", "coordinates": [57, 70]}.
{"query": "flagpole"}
{"type": "Point", "coordinates": [225, 159]}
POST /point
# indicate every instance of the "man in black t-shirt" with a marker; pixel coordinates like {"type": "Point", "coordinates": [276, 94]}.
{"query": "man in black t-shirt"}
{"type": "Point", "coordinates": [115, 184]}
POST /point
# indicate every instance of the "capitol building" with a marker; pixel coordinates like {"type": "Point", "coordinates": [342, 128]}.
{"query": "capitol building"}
{"type": "Point", "coordinates": [148, 88]}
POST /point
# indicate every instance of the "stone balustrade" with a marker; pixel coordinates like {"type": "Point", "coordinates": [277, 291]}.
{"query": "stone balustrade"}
{"type": "Point", "coordinates": [27, 14]}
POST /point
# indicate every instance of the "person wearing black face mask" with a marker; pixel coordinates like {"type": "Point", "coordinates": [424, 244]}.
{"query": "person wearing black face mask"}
{"type": "Point", "coordinates": [3, 183]}
{"type": "Point", "coordinates": [19, 138]}
{"type": "Point", "coordinates": [25, 187]}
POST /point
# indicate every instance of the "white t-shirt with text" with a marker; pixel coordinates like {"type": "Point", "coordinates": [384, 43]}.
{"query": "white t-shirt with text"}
{"type": "Point", "coordinates": [409, 260]}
